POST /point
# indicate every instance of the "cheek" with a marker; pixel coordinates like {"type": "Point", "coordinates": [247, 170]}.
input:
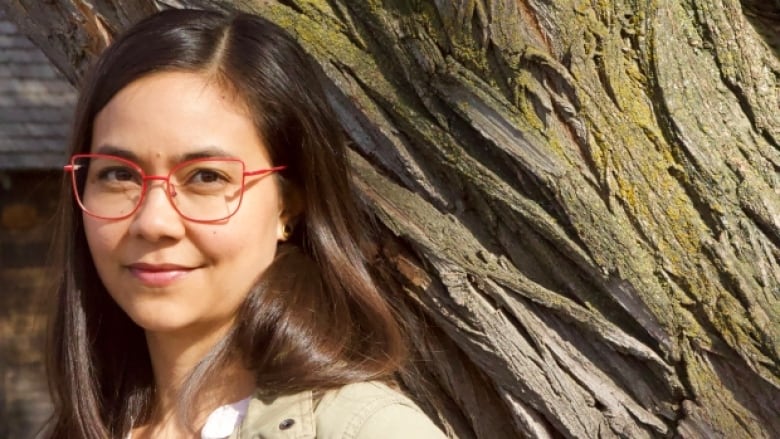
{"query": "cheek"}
{"type": "Point", "coordinates": [242, 245]}
{"type": "Point", "coordinates": [101, 238]}
{"type": "Point", "coordinates": [249, 244]}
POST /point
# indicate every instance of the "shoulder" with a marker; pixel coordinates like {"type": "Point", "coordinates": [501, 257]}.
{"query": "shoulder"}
{"type": "Point", "coordinates": [371, 410]}
{"type": "Point", "coordinates": [368, 410]}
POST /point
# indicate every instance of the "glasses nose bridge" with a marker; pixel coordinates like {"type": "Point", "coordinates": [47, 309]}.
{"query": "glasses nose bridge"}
{"type": "Point", "coordinates": [170, 191]}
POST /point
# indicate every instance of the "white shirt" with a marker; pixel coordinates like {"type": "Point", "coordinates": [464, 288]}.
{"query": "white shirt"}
{"type": "Point", "coordinates": [221, 423]}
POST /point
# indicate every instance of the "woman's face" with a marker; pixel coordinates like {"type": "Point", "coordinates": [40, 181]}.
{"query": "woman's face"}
{"type": "Point", "coordinates": [167, 273]}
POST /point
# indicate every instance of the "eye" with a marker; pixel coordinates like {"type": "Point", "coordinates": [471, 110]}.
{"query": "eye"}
{"type": "Point", "coordinates": [119, 174]}
{"type": "Point", "coordinates": [205, 175]}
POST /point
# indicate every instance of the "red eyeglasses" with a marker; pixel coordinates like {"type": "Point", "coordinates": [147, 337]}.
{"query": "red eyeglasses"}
{"type": "Point", "coordinates": [203, 190]}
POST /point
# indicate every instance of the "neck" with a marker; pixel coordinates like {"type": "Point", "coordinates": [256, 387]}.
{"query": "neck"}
{"type": "Point", "coordinates": [174, 358]}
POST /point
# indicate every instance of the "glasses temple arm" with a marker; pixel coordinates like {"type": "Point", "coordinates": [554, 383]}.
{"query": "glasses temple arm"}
{"type": "Point", "coordinates": [264, 171]}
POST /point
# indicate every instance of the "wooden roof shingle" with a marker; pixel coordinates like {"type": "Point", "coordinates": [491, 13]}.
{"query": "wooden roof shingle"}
{"type": "Point", "coordinates": [36, 104]}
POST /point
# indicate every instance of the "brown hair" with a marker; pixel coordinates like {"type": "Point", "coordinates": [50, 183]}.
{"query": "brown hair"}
{"type": "Point", "coordinates": [314, 320]}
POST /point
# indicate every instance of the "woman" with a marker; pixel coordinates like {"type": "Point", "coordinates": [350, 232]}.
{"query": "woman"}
{"type": "Point", "coordinates": [215, 283]}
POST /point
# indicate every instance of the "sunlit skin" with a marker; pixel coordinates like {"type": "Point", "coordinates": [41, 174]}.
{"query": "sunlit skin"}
{"type": "Point", "coordinates": [179, 280]}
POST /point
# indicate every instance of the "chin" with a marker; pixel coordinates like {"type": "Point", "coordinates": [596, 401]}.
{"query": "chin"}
{"type": "Point", "coordinates": [180, 325]}
{"type": "Point", "coordinates": [160, 325]}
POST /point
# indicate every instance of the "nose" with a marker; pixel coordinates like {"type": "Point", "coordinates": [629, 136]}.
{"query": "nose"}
{"type": "Point", "coordinates": [156, 219]}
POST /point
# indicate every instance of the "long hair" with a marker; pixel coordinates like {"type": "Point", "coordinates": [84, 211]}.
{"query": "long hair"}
{"type": "Point", "coordinates": [315, 319]}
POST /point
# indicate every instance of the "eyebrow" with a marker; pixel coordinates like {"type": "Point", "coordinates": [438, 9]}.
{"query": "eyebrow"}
{"type": "Point", "coordinates": [205, 152]}
{"type": "Point", "coordinates": [117, 151]}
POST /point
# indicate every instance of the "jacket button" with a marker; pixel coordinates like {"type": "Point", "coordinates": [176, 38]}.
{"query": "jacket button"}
{"type": "Point", "coordinates": [287, 423]}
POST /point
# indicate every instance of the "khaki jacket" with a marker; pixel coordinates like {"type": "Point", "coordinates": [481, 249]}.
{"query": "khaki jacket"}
{"type": "Point", "coordinates": [357, 411]}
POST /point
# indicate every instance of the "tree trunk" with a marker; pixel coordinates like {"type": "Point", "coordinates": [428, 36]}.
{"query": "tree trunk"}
{"type": "Point", "coordinates": [580, 200]}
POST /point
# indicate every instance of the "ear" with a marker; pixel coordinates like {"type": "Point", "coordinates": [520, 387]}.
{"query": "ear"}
{"type": "Point", "coordinates": [283, 231]}
{"type": "Point", "coordinates": [290, 211]}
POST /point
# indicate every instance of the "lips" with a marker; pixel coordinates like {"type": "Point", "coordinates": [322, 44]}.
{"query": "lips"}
{"type": "Point", "coordinates": [159, 275]}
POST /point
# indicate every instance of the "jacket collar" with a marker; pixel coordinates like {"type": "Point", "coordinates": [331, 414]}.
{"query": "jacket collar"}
{"type": "Point", "coordinates": [289, 416]}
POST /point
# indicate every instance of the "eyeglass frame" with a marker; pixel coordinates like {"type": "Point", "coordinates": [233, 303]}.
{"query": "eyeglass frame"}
{"type": "Point", "coordinates": [71, 168]}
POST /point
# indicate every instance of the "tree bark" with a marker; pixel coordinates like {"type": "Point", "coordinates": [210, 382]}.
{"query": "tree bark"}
{"type": "Point", "coordinates": [580, 201]}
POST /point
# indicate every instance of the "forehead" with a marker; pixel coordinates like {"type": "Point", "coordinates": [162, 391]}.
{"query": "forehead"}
{"type": "Point", "coordinates": [167, 115]}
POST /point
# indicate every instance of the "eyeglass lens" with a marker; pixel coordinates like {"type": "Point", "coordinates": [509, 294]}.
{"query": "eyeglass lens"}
{"type": "Point", "coordinates": [201, 190]}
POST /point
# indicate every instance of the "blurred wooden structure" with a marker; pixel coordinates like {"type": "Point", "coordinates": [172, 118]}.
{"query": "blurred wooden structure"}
{"type": "Point", "coordinates": [35, 106]}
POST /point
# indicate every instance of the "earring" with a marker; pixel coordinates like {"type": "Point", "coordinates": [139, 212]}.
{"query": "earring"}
{"type": "Point", "coordinates": [286, 232]}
